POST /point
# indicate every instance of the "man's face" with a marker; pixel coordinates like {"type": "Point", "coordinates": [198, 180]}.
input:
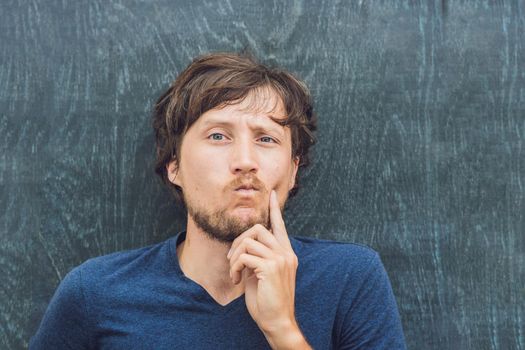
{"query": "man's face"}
{"type": "Point", "coordinates": [229, 148]}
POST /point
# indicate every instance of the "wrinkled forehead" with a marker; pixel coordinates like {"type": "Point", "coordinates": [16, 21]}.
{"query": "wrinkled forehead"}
{"type": "Point", "coordinates": [260, 101]}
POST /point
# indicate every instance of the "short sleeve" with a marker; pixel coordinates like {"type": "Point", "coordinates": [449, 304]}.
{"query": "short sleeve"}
{"type": "Point", "coordinates": [65, 323]}
{"type": "Point", "coordinates": [372, 320]}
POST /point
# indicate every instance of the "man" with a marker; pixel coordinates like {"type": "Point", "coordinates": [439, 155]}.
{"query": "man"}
{"type": "Point", "coordinates": [231, 135]}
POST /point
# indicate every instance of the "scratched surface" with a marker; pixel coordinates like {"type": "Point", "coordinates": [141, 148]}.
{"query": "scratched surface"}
{"type": "Point", "coordinates": [420, 155]}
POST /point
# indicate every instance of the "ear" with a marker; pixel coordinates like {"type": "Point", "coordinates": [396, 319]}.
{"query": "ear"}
{"type": "Point", "coordinates": [173, 173]}
{"type": "Point", "coordinates": [295, 167]}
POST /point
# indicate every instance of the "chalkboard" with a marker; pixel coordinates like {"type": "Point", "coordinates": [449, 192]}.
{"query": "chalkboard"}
{"type": "Point", "coordinates": [420, 150]}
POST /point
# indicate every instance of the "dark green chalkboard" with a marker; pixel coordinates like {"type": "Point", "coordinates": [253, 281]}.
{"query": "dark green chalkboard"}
{"type": "Point", "coordinates": [421, 150]}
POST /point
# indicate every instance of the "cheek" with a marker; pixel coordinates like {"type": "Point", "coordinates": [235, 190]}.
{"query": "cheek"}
{"type": "Point", "coordinates": [278, 176]}
{"type": "Point", "coordinates": [200, 170]}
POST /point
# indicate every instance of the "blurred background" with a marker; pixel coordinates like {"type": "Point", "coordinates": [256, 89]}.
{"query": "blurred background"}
{"type": "Point", "coordinates": [420, 150]}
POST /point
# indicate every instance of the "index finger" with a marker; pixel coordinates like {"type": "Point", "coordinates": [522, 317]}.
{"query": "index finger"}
{"type": "Point", "coordinates": [277, 221]}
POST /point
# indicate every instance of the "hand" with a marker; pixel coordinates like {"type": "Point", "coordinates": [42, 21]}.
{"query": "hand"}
{"type": "Point", "coordinates": [267, 263]}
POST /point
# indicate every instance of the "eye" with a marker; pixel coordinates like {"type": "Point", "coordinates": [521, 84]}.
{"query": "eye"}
{"type": "Point", "coordinates": [267, 138]}
{"type": "Point", "coordinates": [216, 136]}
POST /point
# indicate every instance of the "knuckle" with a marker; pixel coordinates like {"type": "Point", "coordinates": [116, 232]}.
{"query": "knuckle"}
{"type": "Point", "coordinates": [248, 243]}
{"type": "Point", "coordinates": [292, 259]}
{"type": "Point", "coordinates": [281, 260]}
{"type": "Point", "coordinates": [259, 227]}
{"type": "Point", "coordinates": [274, 264]}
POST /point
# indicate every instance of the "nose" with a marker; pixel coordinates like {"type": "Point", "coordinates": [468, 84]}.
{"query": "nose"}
{"type": "Point", "coordinates": [244, 157]}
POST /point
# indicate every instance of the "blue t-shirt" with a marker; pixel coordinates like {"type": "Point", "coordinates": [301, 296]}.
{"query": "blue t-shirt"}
{"type": "Point", "coordinates": [140, 299]}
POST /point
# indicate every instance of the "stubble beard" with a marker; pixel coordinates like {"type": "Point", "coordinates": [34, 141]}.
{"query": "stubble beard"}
{"type": "Point", "coordinates": [221, 226]}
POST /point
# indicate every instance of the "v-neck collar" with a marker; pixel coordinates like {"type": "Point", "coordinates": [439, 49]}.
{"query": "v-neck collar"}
{"type": "Point", "coordinates": [175, 241]}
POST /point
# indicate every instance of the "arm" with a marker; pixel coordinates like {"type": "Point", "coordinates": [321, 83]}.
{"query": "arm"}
{"type": "Point", "coordinates": [289, 337]}
{"type": "Point", "coordinates": [65, 324]}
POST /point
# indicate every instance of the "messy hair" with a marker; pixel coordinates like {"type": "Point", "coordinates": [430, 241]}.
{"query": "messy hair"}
{"type": "Point", "coordinates": [215, 80]}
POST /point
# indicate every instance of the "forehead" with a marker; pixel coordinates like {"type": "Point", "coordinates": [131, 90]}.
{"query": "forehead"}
{"type": "Point", "coordinates": [263, 100]}
{"type": "Point", "coordinates": [259, 103]}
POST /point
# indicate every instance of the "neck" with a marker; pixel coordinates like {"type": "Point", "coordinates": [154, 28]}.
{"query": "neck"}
{"type": "Point", "coordinates": [204, 261]}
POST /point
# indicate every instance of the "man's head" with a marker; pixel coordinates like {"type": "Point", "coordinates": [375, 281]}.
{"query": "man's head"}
{"type": "Point", "coordinates": [229, 122]}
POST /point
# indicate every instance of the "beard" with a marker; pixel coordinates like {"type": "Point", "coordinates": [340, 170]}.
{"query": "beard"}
{"type": "Point", "coordinates": [220, 226]}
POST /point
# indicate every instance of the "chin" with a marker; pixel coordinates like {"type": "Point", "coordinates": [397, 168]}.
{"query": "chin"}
{"type": "Point", "coordinates": [246, 212]}
{"type": "Point", "coordinates": [248, 217]}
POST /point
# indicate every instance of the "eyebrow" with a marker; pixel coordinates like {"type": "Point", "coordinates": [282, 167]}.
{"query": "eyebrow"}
{"type": "Point", "coordinates": [253, 126]}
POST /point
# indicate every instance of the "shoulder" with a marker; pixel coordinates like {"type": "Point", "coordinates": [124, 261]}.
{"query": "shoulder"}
{"type": "Point", "coordinates": [325, 261]}
{"type": "Point", "coordinates": [354, 278]}
{"type": "Point", "coordinates": [355, 256]}
{"type": "Point", "coordinates": [90, 293]}
{"type": "Point", "coordinates": [121, 265]}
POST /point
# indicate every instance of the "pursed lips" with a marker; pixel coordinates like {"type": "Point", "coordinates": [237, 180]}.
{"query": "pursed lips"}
{"type": "Point", "coordinates": [246, 189]}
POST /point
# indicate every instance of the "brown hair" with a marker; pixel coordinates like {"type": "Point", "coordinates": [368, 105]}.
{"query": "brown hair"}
{"type": "Point", "coordinates": [218, 79]}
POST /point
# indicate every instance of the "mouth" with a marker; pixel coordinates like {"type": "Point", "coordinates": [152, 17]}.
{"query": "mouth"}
{"type": "Point", "coordinates": [246, 192]}
{"type": "Point", "coordinates": [246, 188]}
